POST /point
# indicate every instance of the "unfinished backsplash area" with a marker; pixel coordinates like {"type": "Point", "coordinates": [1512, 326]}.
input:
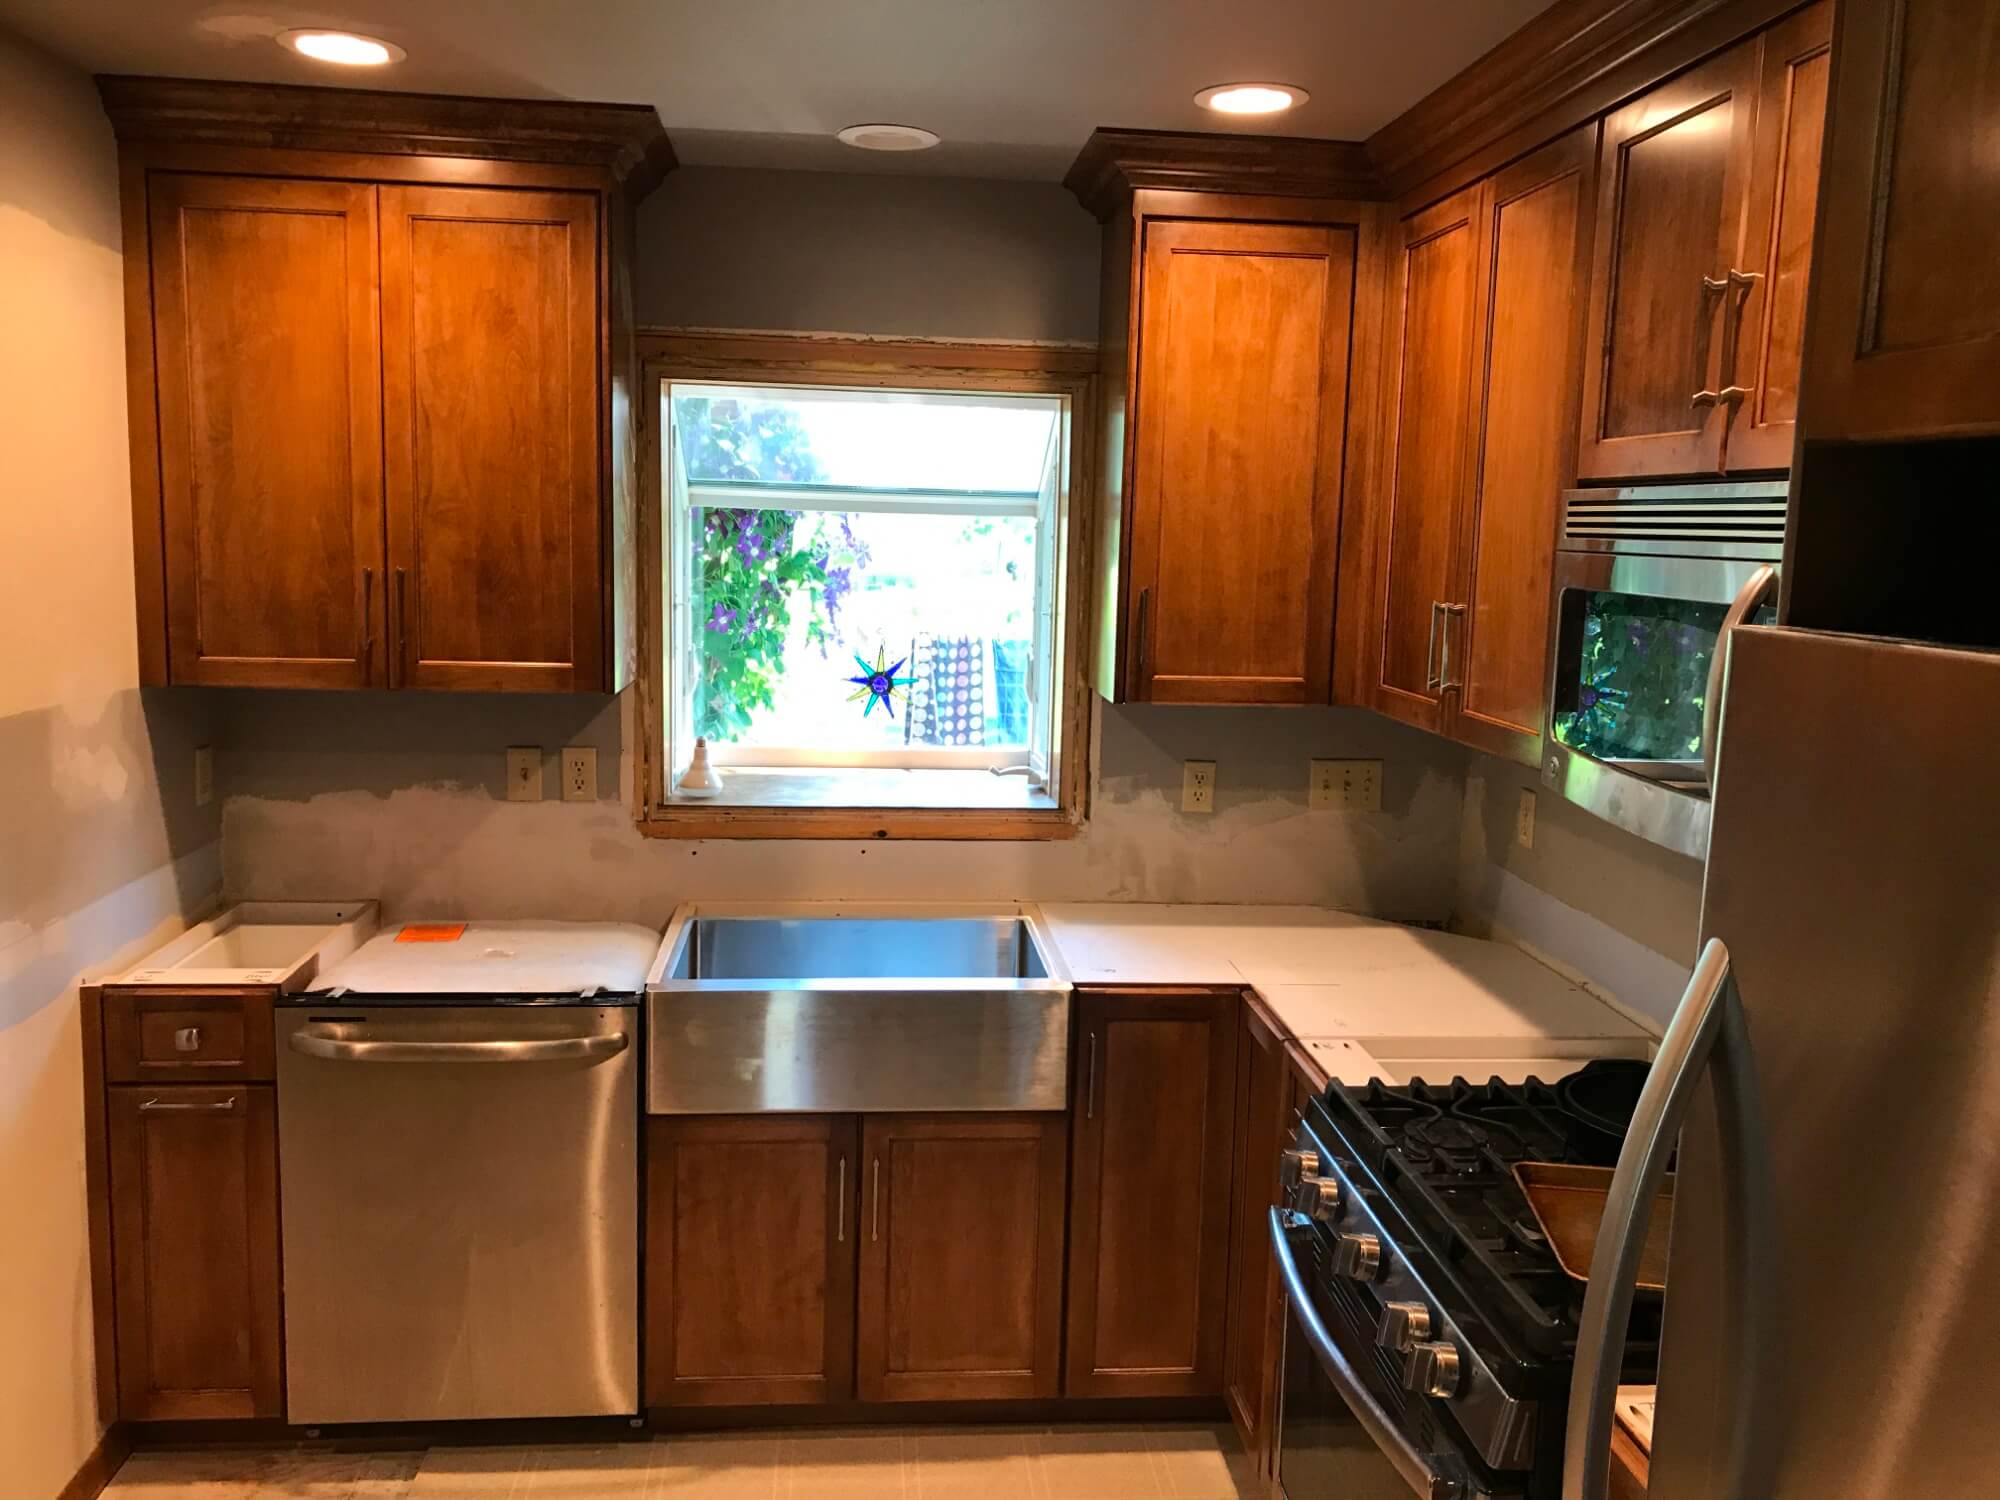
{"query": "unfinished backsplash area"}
{"type": "Point", "coordinates": [401, 796]}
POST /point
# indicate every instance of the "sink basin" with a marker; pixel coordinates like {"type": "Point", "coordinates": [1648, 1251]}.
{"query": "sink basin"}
{"type": "Point", "coordinates": [856, 1009]}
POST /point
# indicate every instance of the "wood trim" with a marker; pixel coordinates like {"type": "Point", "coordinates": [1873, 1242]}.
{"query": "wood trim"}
{"type": "Point", "coordinates": [1116, 163]}
{"type": "Point", "coordinates": [1575, 61]}
{"type": "Point", "coordinates": [828, 359]}
{"type": "Point", "coordinates": [626, 140]}
{"type": "Point", "coordinates": [99, 1466]}
{"type": "Point", "coordinates": [142, 420]}
{"type": "Point", "coordinates": [97, 1200]}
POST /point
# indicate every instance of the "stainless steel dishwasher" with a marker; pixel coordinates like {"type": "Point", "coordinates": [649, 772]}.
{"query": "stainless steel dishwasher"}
{"type": "Point", "coordinates": [458, 1151]}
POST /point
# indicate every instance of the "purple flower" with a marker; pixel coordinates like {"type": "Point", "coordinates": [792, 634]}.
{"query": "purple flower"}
{"type": "Point", "coordinates": [720, 618]}
{"type": "Point", "coordinates": [1586, 697]}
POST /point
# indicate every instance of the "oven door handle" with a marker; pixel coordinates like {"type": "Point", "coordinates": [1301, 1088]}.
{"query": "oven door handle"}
{"type": "Point", "coordinates": [1418, 1470]}
{"type": "Point", "coordinates": [1748, 600]}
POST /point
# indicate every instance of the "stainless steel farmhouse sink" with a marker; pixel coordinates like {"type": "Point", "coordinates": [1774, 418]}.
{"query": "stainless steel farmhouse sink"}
{"type": "Point", "coordinates": [833, 1009]}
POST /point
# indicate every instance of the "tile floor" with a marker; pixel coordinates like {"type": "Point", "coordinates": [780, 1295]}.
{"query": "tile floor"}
{"type": "Point", "coordinates": [1150, 1462]}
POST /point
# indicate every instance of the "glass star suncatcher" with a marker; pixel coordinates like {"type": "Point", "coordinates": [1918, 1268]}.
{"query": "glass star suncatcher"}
{"type": "Point", "coordinates": [879, 683]}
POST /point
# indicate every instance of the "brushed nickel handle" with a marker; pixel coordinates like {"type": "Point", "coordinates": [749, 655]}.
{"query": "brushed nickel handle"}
{"type": "Point", "coordinates": [875, 1206]}
{"type": "Point", "coordinates": [1433, 677]}
{"type": "Point", "coordinates": [840, 1206]}
{"type": "Point", "coordinates": [332, 1047]}
{"type": "Point", "coordinates": [187, 1039]}
{"type": "Point", "coordinates": [1090, 1082]}
{"type": "Point", "coordinates": [158, 1106]}
{"type": "Point", "coordinates": [1444, 683]}
{"type": "Point", "coordinates": [402, 614]}
{"type": "Point", "coordinates": [367, 615]}
{"type": "Point", "coordinates": [1711, 287]}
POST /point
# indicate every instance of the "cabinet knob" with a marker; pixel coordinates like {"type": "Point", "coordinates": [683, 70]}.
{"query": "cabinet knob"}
{"type": "Point", "coordinates": [187, 1039]}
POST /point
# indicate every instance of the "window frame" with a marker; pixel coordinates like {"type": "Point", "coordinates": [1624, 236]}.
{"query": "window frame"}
{"type": "Point", "coordinates": [1059, 370]}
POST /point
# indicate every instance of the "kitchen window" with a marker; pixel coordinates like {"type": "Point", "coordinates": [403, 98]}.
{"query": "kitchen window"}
{"type": "Point", "coordinates": [865, 594]}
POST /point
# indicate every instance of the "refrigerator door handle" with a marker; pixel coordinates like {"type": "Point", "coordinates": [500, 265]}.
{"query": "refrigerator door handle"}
{"type": "Point", "coordinates": [1707, 1026]}
{"type": "Point", "coordinates": [1756, 589]}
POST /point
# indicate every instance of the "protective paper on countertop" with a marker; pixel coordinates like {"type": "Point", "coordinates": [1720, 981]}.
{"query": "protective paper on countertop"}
{"type": "Point", "coordinates": [501, 958]}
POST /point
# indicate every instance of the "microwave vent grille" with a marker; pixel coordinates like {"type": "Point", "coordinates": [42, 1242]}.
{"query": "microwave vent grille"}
{"type": "Point", "coordinates": [1681, 517]}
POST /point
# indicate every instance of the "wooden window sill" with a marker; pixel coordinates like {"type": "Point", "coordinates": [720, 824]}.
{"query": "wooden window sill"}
{"type": "Point", "coordinates": [863, 803]}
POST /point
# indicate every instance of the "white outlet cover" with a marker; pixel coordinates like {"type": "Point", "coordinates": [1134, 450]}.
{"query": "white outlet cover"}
{"type": "Point", "coordinates": [579, 774]}
{"type": "Point", "coordinates": [524, 773]}
{"type": "Point", "coordinates": [1198, 786]}
{"type": "Point", "coordinates": [1524, 820]}
{"type": "Point", "coordinates": [1345, 785]}
{"type": "Point", "coordinates": [204, 775]}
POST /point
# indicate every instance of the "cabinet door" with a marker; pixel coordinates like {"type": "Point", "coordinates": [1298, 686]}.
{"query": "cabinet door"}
{"type": "Point", "coordinates": [1434, 301]}
{"type": "Point", "coordinates": [961, 1257]}
{"type": "Point", "coordinates": [490, 393]}
{"type": "Point", "coordinates": [750, 1256]}
{"type": "Point", "coordinates": [194, 1227]}
{"type": "Point", "coordinates": [1241, 412]}
{"type": "Point", "coordinates": [1149, 1207]}
{"type": "Point", "coordinates": [1905, 335]}
{"type": "Point", "coordinates": [1256, 1303]}
{"type": "Point", "coordinates": [1534, 255]}
{"type": "Point", "coordinates": [1797, 64]}
{"type": "Point", "coordinates": [1673, 177]}
{"type": "Point", "coordinates": [266, 375]}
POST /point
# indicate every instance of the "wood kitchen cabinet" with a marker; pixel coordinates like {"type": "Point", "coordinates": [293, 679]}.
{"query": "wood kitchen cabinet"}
{"type": "Point", "coordinates": [1234, 324]}
{"type": "Point", "coordinates": [1486, 296]}
{"type": "Point", "coordinates": [1706, 195]}
{"type": "Point", "coordinates": [379, 391]}
{"type": "Point", "coordinates": [1152, 1155]}
{"type": "Point", "coordinates": [1263, 1121]}
{"type": "Point", "coordinates": [961, 1256]}
{"type": "Point", "coordinates": [193, 1178]}
{"type": "Point", "coordinates": [751, 1244]}
{"type": "Point", "coordinates": [1905, 337]}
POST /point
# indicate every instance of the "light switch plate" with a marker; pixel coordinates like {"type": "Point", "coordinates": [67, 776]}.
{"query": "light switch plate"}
{"type": "Point", "coordinates": [524, 773]}
{"type": "Point", "coordinates": [579, 774]}
{"type": "Point", "coordinates": [1198, 786]}
{"type": "Point", "coordinates": [1524, 820]}
{"type": "Point", "coordinates": [1345, 785]}
{"type": "Point", "coordinates": [204, 775]}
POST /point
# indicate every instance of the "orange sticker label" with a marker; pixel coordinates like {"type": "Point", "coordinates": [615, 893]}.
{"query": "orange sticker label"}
{"type": "Point", "coordinates": [431, 932]}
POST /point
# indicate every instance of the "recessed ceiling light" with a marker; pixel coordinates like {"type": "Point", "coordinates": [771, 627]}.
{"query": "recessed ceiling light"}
{"type": "Point", "coordinates": [888, 137]}
{"type": "Point", "coordinates": [345, 47]}
{"type": "Point", "coordinates": [1251, 98]}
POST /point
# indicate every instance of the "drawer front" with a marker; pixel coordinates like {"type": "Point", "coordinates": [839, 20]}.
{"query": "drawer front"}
{"type": "Point", "coordinates": [187, 1038]}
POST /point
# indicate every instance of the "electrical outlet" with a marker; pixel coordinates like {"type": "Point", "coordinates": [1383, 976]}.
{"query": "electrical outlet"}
{"type": "Point", "coordinates": [1524, 820]}
{"type": "Point", "coordinates": [579, 774]}
{"type": "Point", "coordinates": [1198, 786]}
{"type": "Point", "coordinates": [204, 775]}
{"type": "Point", "coordinates": [524, 773]}
{"type": "Point", "coordinates": [1345, 785]}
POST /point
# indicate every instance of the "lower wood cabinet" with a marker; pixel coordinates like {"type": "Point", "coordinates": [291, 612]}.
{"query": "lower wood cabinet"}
{"type": "Point", "coordinates": [961, 1257]}
{"type": "Point", "coordinates": [750, 1256]}
{"type": "Point", "coordinates": [1263, 1119]}
{"type": "Point", "coordinates": [798, 1259]}
{"type": "Point", "coordinates": [194, 1227]}
{"type": "Point", "coordinates": [1152, 1117]}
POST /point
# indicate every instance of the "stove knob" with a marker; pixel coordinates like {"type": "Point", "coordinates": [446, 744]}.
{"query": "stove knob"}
{"type": "Point", "coordinates": [1318, 1200]}
{"type": "Point", "coordinates": [1404, 1325]}
{"type": "Point", "coordinates": [1357, 1256]}
{"type": "Point", "coordinates": [1432, 1369]}
{"type": "Point", "coordinates": [1297, 1166]}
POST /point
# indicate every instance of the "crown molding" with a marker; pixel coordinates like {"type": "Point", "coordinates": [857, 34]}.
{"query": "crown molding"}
{"type": "Point", "coordinates": [1115, 163]}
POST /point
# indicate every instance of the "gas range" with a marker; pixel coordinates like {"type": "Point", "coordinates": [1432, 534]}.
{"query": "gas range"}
{"type": "Point", "coordinates": [1433, 1284]}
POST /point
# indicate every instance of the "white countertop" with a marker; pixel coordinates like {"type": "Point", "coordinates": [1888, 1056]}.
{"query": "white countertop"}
{"type": "Point", "coordinates": [1397, 991]}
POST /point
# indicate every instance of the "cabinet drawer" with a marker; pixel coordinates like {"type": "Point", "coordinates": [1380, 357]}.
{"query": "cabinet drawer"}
{"type": "Point", "coordinates": [187, 1038]}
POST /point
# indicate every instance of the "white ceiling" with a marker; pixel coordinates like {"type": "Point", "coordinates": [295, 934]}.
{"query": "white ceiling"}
{"type": "Point", "coordinates": [1013, 86]}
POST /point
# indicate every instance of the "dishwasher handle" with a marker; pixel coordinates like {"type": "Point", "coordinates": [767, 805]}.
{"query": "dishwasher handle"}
{"type": "Point", "coordinates": [322, 1042]}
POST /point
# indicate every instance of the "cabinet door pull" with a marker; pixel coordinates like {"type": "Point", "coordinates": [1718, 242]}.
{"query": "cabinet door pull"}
{"type": "Point", "coordinates": [1432, 676]}
{"type": "Point", "coordinates": [875, 1205]}
{"type": "Point", "coordinates": [158, 1106]}
{"type": "Point", "coordinates": [367, 618]}
{"type": "Point", "coordinates": [1143, 630]}
{"type": "Point", "coordinates": [1090, 1082]}
{"type": "Point", "coordinates": [840, 1206]}
{"type": "Point", "coordinates": [1444, 682]}
{"type": "Point", "coordinates": [1711, 289]}
{"type": "Point", "coordinates": [402, 610]}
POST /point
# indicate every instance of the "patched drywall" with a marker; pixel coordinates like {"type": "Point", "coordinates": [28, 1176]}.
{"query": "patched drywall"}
{"type": "Point", "coordinates": [104, 853]}
{"type": "Point", "coordinates": [405, 803]}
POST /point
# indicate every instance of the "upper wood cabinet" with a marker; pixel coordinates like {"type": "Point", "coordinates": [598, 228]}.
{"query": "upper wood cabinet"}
{"type": "Point", "coordinates": [1231, 344]}
{"type": "Point", "coordinates": [1706, 194]}
{"type": "Point", "coordinates": [1905, 331]}
{"type": "Point", "coordinates": [1152, 1155]}
{"type": "Point", "coordinates": [378, 388]}
{"type": "Point", "coordinates": [1486, 295]}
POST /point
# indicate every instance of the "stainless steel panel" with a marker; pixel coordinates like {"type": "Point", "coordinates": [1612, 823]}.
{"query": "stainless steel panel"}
{"type": "Point", "coordinates": [836, 1047]}
{"type": "Point", "coordinates": [1853, 875]}
{"type": "Point", "coordinates": [460, 1232]}
{"type": "Point", "coordinates": [1699, 519]}
{"type": "Point", "coordinates": [870, 1009]}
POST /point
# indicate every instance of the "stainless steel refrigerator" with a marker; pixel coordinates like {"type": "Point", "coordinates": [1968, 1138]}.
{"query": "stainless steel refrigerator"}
{"type": "Point", "coordinates": [1833, 1288]}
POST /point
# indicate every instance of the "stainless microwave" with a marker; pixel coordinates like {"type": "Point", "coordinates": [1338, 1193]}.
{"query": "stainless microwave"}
{"type": "Point", "coordinates": [1648, 581]}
